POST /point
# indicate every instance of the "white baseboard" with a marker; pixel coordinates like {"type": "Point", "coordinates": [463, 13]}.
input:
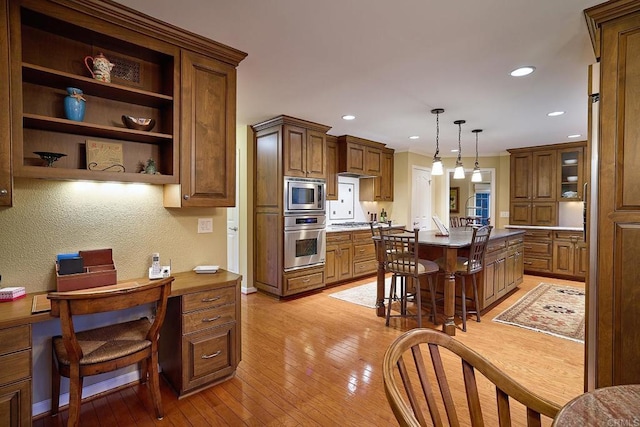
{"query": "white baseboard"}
{"type": "Point", "coordinates": [90, 390]}
{"type": "Point", "coordinates": [248, 290]}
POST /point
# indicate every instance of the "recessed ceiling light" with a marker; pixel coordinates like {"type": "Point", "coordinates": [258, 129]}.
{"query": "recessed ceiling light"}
{"type": "Point", "coordinates": [576, 135]}
{"type": "Point", "coordinates": [414, 137]}
{"type": "Point", "coordinates": [555, 113]}
{"type": "Point", "coordinates": [348, 117]}
{"type": "Point", "coordinates": [523, 71]}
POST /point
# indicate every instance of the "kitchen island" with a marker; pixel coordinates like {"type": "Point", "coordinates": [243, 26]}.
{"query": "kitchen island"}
{"type": "Point", "coordinates": [502, 273]}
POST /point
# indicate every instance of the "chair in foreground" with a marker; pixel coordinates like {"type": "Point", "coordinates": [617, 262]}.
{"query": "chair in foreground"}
{"type": "Point", "coordinates": [402, 260]}
{"type": "Point", "coordinates": [414, 397]}
{"type": "Point", "coordinates": [90, 352]}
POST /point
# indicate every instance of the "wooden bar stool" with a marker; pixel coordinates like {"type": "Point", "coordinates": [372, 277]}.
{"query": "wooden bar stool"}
{"type": "Point", "coordinates": [402, 260]}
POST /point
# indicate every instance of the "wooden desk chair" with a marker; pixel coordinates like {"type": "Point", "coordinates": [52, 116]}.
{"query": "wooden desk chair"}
{"type": "Point", "coordinates": [454, 221]}
{"type": "Point", "coordinates": [90, 352]}
{"type": "Point", "coordinates": [402, 260]}
{"type": "Point", "coordinates": [414, 396]}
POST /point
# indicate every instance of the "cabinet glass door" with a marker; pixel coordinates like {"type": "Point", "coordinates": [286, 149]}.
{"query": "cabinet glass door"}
{"type": "Point", "coordinates": [571, 161]}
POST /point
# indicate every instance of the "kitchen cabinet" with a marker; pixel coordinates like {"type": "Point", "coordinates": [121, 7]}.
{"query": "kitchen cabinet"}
{"type": "Point", "coordinates": [364, 253]}
{"type": "Point", "coordinates": [332, 168]}
{"type": "Point", "coordinates": [304, 152]}
{"type": "Point", "coordinates": [569, 253]}
{"type": "Point", "coordinates": [200, 341]}
{"type": "Point", "coordinates": [6, 181]}
{"type": "Point", "coordinates": [379, 189]}
{"type": "Point", "coordinates": [571, 173]}
{"type": "Point", "coordinates": [306, 279]}
{"type": "Point", "coordinates": [503, 270]}
{"type": "Point", "coordinates": [359, 157]}
{"type": "Point", "coordinates": [538, 251]}
{"type": "Point", "coordinates": [208, 148]}
{"type": "Point", "coordinates": [208, 99]}
{"type": "Point", "coordinates": [15, 375]}
{"type": "Point", "coordinates": [339, 259]}
{"type": "Point", "coordinates": [151, 78]}
{"type": "Point", "coordinates": [612, 340]}
{"type": "Point", "coordinates": [543, 176]}
{"type": "Point", "coordinates": [282, 146]}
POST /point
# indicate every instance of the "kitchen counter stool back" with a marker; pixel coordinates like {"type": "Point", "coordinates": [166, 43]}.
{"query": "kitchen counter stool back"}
{"type": "Point", "coordinates": [90, 352]}
{"type": "Point", "coordinates": [402, 260]}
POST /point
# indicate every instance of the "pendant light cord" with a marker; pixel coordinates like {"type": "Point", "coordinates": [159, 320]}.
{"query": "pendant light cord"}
{"type": "Point", "coordinates": [437, 135]}
{"type": "Point", "coordinates": [476, 149]}
{"type": "Point", "coordinates": [459, 145]}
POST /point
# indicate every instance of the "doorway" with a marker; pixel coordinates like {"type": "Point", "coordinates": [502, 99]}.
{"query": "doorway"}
{"type": "Point", "coordinates": [420, 198]}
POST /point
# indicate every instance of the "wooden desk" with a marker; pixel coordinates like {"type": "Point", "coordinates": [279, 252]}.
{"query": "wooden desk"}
{"type": "Point", "coordinates": [608, 406]}
{"type": "Point", "coordinates": [433, 247]}
{"type": "Point", "coordinates": [16, 367]}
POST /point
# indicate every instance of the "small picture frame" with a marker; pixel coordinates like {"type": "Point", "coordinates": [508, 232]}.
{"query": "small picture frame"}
{"type": "Point", "coordinates": [104, 156]}
{"type": "Point", "coordinates": [454, 200]}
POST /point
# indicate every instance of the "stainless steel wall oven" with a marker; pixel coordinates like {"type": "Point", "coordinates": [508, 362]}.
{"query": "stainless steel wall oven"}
{"type": "Point", "coordinates": [304, 241]}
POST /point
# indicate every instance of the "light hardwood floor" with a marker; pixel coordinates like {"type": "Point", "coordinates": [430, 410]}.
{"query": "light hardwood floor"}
{"type": "Point", "coordinates": [317, 360]}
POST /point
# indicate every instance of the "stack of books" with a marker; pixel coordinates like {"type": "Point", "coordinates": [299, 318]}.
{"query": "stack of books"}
{"type": "Point", "coordinates": [12, 294]}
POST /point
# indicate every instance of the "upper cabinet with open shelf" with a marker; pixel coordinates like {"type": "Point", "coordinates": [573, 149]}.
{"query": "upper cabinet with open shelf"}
{"type": "Point", "coordinates": [48, 44]}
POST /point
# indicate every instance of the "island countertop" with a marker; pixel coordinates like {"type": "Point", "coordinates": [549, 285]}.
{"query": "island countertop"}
{"type": "Point", "coordinates": [544, 227]}
{"type": "Point", "coordinates": [460, 237]}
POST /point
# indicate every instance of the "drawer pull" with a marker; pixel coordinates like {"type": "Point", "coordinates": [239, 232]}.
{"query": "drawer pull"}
{"type": "Point", "coordinates": [306, 280]}
{"type": "Point", "coordinates": [527, 247]}
{"type": "Point", "coordinates": [211, 319]}
{"type": "Point", "coordinates": [210, 299]}
{"type": "Point", "coordinates": [212, 355]}
{"type": "Point", "coordinates": [528, 262]}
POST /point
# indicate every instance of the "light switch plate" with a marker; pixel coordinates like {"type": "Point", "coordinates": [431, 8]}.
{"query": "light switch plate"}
{"type": "Point", "coordinates": [205, 225]}
{"type": "Point", "coordinates": [504, 214]}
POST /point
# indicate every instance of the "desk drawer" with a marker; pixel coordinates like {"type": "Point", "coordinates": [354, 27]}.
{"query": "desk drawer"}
{"type": "Point", "coordinates": [208, 355]}
{"type": "Point", "coordinates": [204, 319]}
{"type": "Point", "coordinates": [15, 339]}
{"type": "Point", "coordinates": [15, 366]}
{"type": "Point", "coordinates": [208, 299]}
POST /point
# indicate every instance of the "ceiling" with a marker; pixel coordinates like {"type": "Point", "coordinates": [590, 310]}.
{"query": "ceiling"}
{"type": "Point", "coordinates": [390, 63]}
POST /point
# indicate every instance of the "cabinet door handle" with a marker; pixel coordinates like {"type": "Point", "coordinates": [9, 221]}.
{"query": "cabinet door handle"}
{"type": "Point", "coordinates": [3, 192]}
{"type": "Point", "coordinates": [212, 355]}
{"type": "Point", "coordinates": [210, 299]}
{"type": "Point", "coordinates": [186, 197]}
{"type": "Point", "coordinates": [211, 319]}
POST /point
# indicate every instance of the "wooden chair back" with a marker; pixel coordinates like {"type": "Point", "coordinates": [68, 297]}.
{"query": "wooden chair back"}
{"type": "Point", "coordinates": [417, 393]}
{"type": "Point", "coordinates": [454, 221]}
{"type": "Point", "coordinates": [478, 248]}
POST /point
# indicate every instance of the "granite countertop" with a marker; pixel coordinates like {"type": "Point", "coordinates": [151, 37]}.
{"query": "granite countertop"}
{"type": "Point", "coordinates": [543, 227]}
{"type": "Point", "coordinates": [459, 237]}
{"type": "Point", "coordinates": [338, 227]}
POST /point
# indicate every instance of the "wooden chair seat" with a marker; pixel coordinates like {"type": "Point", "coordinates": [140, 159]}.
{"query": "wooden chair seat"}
{"type": "Point", "coordinates": [107, 343]}
{"type": "Point", "coordinates": [416, 370]}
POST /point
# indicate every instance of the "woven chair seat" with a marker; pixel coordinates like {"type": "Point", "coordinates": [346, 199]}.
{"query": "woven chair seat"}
{"type": "Point", "coordinates": [108, 342]}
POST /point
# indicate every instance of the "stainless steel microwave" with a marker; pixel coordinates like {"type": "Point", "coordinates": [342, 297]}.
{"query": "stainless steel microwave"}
{"type": "Point", "coordinates": [303, 195]}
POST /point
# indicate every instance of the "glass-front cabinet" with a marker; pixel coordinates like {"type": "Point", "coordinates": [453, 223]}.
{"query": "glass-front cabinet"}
{"type": "Point", "coordinates": [571, 177]}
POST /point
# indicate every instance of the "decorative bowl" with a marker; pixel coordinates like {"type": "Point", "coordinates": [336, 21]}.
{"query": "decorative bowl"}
{"type": "Point", "coordinates": [572, 178]}
{"type": "Point", "coordinates": [49, 157]}
{"type": "Point", "coordinates": [570, 161]}
{"type": "Point", "coordinates": [138, 123]}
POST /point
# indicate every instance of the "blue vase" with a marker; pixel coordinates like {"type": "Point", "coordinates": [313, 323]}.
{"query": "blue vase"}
{"type": "Point", "coordinates": [74, 104]}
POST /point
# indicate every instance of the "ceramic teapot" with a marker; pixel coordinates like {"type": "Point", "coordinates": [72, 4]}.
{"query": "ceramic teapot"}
{"type": "Point", "coordinates": [101, 69]}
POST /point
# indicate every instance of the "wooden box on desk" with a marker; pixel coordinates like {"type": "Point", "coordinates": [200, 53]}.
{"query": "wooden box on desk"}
{"type": "Point", "coordinates": [99, 270]}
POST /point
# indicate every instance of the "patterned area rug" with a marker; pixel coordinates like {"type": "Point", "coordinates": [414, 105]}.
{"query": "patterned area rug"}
{"type": "Point", "coordinates": [551, 309]}
{"type": "Point", "coordinates": [362, 295]}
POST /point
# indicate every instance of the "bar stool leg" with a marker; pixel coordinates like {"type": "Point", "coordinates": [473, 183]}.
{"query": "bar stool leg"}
{"type": "Point", "coordinates": [464, 304]}
{"type": "Point", "coordinates": [432, 291]}
{"type": "Point", "coordinates": [475, 298]}
{"type": "Point", "coordinates": [416, 284]}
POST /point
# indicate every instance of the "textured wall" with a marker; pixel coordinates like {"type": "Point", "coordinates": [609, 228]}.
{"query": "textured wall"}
{"type": "Point", "coordinates": [51, 217]}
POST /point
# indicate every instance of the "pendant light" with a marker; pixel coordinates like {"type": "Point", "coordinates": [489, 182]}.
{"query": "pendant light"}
{"type": "Point", "coordinates": [477, 176]}
{"type": "Point", "coordinates": [458, 172]}
{"type": "Point", "coordinates": [437, 163]}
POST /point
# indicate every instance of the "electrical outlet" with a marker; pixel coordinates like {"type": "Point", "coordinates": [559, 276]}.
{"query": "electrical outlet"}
{"type": "Point", "coordinates": [205, 225]}
{"type": "Point", "coordinates": [504, 214]}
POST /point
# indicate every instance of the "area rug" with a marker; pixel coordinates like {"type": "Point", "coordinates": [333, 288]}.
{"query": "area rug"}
{"type": "Point", "coordinates": [551, 309]}
{"type": "Point", "coordinates": [362, 295]}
